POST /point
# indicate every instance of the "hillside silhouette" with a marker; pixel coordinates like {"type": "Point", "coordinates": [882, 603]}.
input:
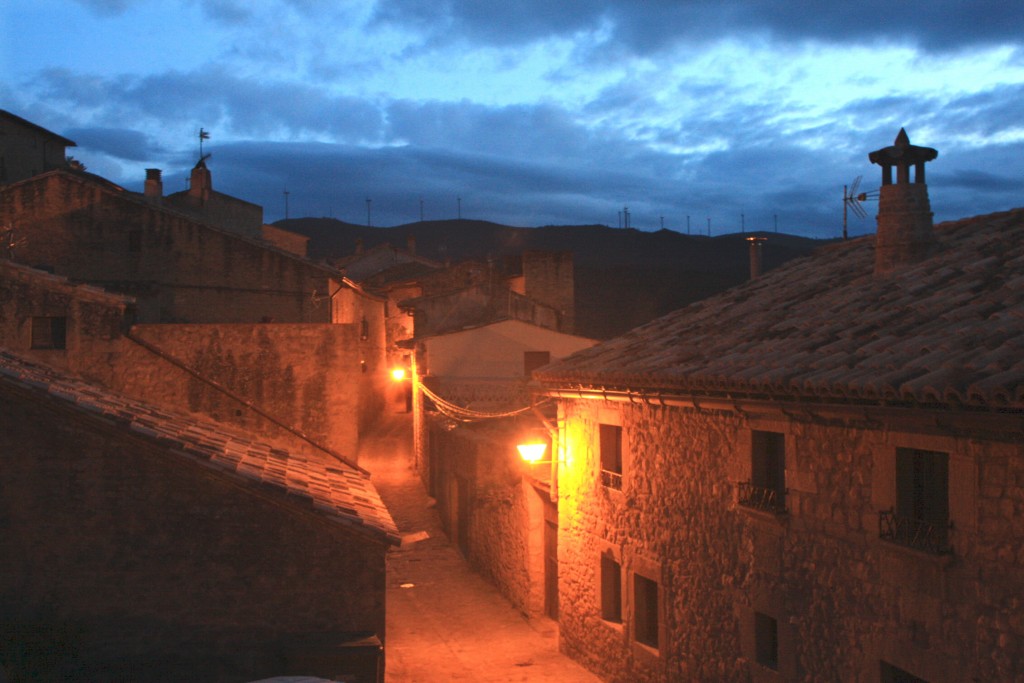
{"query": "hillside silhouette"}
{"type": "Point", "coordinates": [624, 277]}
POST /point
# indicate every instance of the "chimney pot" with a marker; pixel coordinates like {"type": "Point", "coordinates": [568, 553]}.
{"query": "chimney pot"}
{"type": "Point", "coordinates": [154, 186]}
{"type": "Point", "coordinates": [904, 232]}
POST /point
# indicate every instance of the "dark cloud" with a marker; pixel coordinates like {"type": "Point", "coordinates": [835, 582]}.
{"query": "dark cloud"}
{"type": "Point", "coordinates": [130, 145]}
{"type": "Point", "coordinates": [937, 25]}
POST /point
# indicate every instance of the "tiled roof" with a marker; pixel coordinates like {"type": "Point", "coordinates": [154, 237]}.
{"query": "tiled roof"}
{"type": "Point", "coordinates": [947, 330]}
{"type": "Point", "coordinates": [334, 489]}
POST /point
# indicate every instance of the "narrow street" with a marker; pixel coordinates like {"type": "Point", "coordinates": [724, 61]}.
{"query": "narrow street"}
{"type": "Point", "coordinates": [444, 621]}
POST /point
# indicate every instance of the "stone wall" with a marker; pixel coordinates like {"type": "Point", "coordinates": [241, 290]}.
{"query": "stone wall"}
{"type": "Point", "coordinates": [180, 270]}
{"type": "Point", "coordinates": [492, 525]}
{"type": "Point", "coordinates": [843, 599]}
{"type": "Point", "coordinates": [306, 376]}
{"type": "Point", "coordinates": [126, 561]}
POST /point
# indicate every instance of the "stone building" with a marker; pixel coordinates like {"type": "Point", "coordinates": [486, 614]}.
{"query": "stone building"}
{"type": "Point", "coordinates": [180, 266]}
{"type": "Point", "coordinates": [818, 475]}
{"type": "Point", "coordinates": [472, 410]}
{"type": "Point", "coordinates": [143, 544]}
{"type": "Point", "coordinates": [27, 149]}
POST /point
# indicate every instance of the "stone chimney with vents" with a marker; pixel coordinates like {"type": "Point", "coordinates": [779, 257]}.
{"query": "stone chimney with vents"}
{"type": "Point", "coordinates": [904, 214]}
{"type": "Point", "coordinates": [200, 184]}
{"type": "Point", "coordinates": [154, 187]}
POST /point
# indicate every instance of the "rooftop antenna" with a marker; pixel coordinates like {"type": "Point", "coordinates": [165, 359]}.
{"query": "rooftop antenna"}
{"type": "Point", "coordinates": [852, 200]}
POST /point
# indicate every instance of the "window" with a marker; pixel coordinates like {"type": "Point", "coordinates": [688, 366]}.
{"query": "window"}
{"type": "Point", "coordinates": [766, 640]}
{"type": "Point", "coordinates": [611, 589]}
{"type": "Point", "coordinates": [535, 359]}
{"type": "Point", "coordinates": [921, 516]}
{"type": "Point", "coordinates": [611, 455]}
{"type": "Point", "coordinates": [49, 332]}
{"type": "Point", "coordinates": [894, 674]}
{"type": "Point", "coordinates": [645, 610]}
{"type": "Point", "coordinates": [766, 489]}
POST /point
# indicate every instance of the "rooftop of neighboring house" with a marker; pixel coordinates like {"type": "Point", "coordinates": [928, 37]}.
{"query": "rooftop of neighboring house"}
{"type": "Point", "coordinates": [14, 118]}
{"type": "Point", "coordinates": [947, 330]}
{"type": "Point", "coordinates": [338, 491]}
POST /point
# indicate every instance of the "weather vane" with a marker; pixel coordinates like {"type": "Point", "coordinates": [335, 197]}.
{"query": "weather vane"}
{"type": "Point", "coordinates": [203, 135]}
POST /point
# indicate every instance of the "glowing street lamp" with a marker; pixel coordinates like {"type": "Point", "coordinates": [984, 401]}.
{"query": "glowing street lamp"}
{"type": "Point", "coordinates": [398, 374]}
{"type": "Point", "coordinates": [532, 452]}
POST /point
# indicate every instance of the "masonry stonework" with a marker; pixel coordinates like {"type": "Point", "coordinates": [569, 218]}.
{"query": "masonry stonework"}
{"type": "Point", "coordinates": [126, 561]}
{"type": "Point", "coordinates": [842, 598]}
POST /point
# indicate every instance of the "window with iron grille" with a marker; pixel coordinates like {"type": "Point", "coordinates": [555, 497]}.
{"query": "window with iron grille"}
{"type": "Point", "coordinates": [766, 489]}
{"type": "Point", "coordinates": [920, 518]}
{"type": "Point", "coordinates": [49, 332]}
{"type": "Point", "coordinates": [610, 437]}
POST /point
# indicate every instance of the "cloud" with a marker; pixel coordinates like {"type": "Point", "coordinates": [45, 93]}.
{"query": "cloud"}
{"type": "Point", "coordinates": [130, 145]}
{"type": "Point", "coordinates": [936, 25]}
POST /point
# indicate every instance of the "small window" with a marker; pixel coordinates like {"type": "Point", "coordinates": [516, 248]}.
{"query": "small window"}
{"type": "Point", "coordinates": [894, 674]}
{"type": "Point", "coordinates": [611, 455]}
{"type": "Point", "coordinates": [645, 610]}
{"type": "Point", "coordinates": [766, 489]}
{"type": "Point", "coordinates": [535, 359]}
{"type": "Point", "coordinates": [766, 640]}
{"type": "Point", "coordinates": [49, 332]}
{"type": "Point", "coordinates": [611, 589]}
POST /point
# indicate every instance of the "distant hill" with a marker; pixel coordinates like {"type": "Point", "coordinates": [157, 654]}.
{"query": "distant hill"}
{"type": "Point", "coordinates": [624, 277]}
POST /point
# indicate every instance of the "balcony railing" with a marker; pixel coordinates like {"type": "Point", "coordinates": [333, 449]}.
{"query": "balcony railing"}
{"type": "Point", "coordinates": [612, 480]}
{"type": "Point", "coordinates": [914, 533]}
{"type": "Point", "coordinates": [761, 497]}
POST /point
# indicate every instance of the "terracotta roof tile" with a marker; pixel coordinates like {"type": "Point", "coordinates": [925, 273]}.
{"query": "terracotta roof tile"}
{"type": "Point", "coordinates": [340, 492]}
{"type": "Point", "coordinates": [949, 329]}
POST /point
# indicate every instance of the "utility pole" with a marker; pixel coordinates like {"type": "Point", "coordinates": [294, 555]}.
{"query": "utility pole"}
{"type": "Point", "coordinates": [709, 226]}
{"type": "Point", "coordinates": [687, 224]}
{"type": "Point", "coordinates": [421, 209]}
{"type": "Point", "coordinates": [286, 193]}
{"type": "Point", "coordinates": [369, 223]}
{"type": "Point", "coordinates": [743, 224]}
{"type": "Point", "coordinates": [459, 199]}
{"type": "Point", "coordinates": [776, 222]}
{"type": "Point", "coordinates": [662, 222]}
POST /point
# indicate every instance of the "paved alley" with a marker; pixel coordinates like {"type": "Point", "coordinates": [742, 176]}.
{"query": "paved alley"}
{"type": "Point", "coordinates": [444, 622]}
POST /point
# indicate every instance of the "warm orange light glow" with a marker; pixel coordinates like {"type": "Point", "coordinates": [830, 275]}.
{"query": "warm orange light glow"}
{"type": "Point", "coordinates": [532, 452]}
{"type": "Point", "coordinates": [398, 374]}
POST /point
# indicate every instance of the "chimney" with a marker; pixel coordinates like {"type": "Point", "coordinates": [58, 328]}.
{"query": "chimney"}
{"type": "Point", "coordinates": [755, 255]}
{"type": "Point", "coordinates": [200, 184]}
{"type": "Point", "coordinates": [359, 245]}
{"type": "Point", "coordinates": [410, 244]}
{"type": "Point", "coordinates": [154, 187]}
{"type": "Point", "coordinates": [904, 233]}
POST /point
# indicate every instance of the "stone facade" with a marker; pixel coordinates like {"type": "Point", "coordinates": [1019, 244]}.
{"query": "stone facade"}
{"type": "Point", "coordinates": [286, 375]}
{"type": "Point", "coordinates": [125, 561]}
{"type": "Point", "coordinates": [178, 269]}
{"type": "Point", "coordinates": [843, 602]}
{"type": "Point", "coordinates": [489, 508]}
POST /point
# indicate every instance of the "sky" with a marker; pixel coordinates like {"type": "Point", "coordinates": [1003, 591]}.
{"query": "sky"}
{"type": "Point", "coordinates": [733, 114]}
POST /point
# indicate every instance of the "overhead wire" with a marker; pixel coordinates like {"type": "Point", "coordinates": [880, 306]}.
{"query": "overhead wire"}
{"type": "Point", "coordinates": [464, 414]}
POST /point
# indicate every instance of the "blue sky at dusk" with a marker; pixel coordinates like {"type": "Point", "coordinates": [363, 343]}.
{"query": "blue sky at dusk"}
{"type": "Point", "coordinates": [534, 112]}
